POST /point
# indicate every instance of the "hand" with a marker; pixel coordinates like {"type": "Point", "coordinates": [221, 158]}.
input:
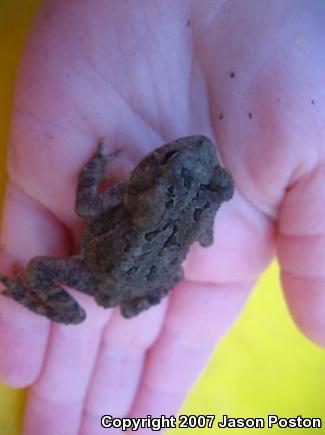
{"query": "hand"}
{"type": "Point", "coordinates": [141, 74]}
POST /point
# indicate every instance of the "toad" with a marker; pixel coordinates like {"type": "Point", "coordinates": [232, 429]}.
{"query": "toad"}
{"type": "Point", "coordinates": [137, 232]}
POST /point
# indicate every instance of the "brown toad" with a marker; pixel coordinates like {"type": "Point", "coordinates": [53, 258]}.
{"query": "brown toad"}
{"type": "Point", "coordinates": [137, 234]}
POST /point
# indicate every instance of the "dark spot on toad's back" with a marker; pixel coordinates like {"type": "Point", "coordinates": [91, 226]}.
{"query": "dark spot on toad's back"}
{"type": "Point", "coordinates": [197, 214]}
{"type": "Point", "coordinates": [151, 235]}
{"type": "Point", "coordinates": [152, 274]}
{"type": "Point", "coordinates": [186, 174]}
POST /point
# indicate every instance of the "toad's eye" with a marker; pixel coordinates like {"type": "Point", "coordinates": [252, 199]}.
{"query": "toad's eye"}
{"type": "Point", "coordinates": [169, 156]}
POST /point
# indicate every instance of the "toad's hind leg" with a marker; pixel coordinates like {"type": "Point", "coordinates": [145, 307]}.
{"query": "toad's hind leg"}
{"type": "Point", "coordinates": [39, 291]}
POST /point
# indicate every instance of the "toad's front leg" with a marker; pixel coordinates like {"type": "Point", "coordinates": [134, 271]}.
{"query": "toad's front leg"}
{"type": "Point", "coordinates": [39, 291]}
{"type": "Point", "coordinates": [89, 201]}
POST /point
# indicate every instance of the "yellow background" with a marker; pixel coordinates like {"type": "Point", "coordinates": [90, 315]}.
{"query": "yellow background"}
{"type": "Point", "coordinates": [264, 366]}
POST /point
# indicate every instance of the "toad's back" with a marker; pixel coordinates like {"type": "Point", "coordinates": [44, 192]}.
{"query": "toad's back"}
{"type": "Point", "coordinates": [170, 202]}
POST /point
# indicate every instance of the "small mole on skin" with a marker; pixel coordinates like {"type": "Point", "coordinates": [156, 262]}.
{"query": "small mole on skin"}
{"type": "Point", "coordinates": [188, 23]}
{"type": "Point", "coordinates": [221, 116]}
{"type": "Point", "coordinates": [232, 74]}
{"type": "Point", "coordinates": [313, 102]}
{"type": "Point", "coordinates": [250, 115]}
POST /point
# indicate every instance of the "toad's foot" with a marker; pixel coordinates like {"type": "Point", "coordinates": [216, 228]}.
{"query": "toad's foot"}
{"type": "Point", "coordinates": [58, 305]}
{"type": "Point", "coordinates": [135, 306]}
{"type": "Point", "coordinates": [39, 292]}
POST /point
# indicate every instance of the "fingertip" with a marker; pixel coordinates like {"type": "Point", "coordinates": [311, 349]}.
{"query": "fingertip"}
{"type": "Point", "coordinates": [306, 300]}
{"type": "Point", "coordinates": [91, 424]}
{"type": "Point", "coordinates": [23, 341]}
{"type": "Point", "coordinates": [311, 328]}
{"type": "Point", "coordinates": [46, 416]}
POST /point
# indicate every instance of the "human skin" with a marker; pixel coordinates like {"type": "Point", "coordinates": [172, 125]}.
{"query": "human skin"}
{"type": "Point", "coordinates": [141, 73]}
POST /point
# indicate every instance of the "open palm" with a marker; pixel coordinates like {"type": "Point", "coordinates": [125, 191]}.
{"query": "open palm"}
{"type": "Point", "coordinates": [140, 74]}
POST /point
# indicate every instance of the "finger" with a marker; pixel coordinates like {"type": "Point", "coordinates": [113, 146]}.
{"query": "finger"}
{"type": "Point", "coordinates": [301, 251]}
{"type": "Point", "coordinates": [20, 329]}
{"type": "Point", "coordinates": [120, 363]}
{"type": "Point", "coordinates": [91, 425]}
{"type": "Point", "coordinates": [197, 317]}
{"type": "Point", "coordinates": [57, 397]}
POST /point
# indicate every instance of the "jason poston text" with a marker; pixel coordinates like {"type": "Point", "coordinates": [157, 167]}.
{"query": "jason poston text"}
{"type": "Point", "coordinates": [207, 421]}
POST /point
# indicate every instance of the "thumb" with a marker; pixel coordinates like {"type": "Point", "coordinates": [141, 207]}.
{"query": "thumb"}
{"type": "Point", "coordinates": [301, 252]}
